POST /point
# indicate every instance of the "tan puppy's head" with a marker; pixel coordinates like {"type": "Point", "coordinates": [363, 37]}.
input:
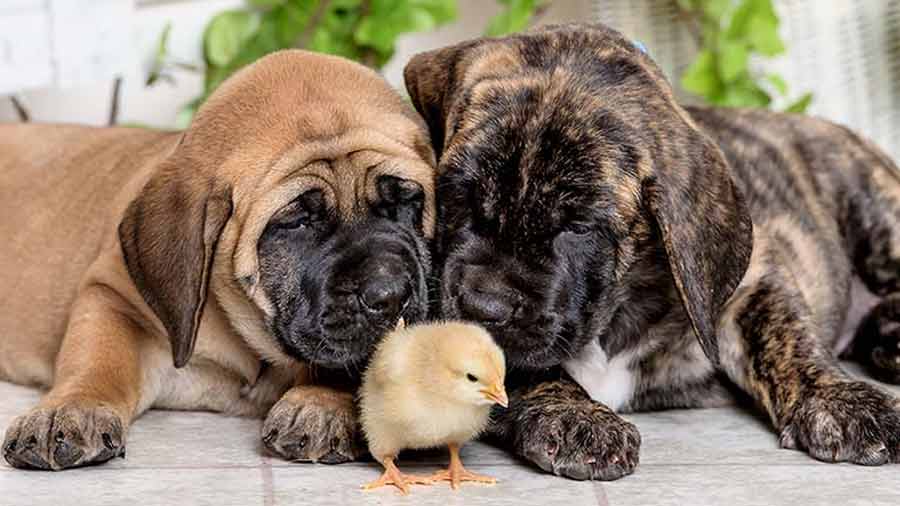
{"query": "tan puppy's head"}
{"type": "Point", "coordinates": [300, 200]}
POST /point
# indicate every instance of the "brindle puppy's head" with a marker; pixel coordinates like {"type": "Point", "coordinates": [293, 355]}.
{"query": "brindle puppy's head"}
{"type": "Point", "coordinates": [302, 195]}
{"type": "Point", "coordinates": [577, 200]}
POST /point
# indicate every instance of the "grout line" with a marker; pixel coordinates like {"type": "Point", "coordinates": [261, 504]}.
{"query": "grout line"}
{"type": "Point", "coordinates": [600, 494]}
{"type": "Point", "coordinates": [268, 481]}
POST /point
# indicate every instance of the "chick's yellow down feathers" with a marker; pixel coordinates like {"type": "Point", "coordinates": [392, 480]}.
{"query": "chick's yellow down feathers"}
{"type": "Point", "coordinates": [430, 385]}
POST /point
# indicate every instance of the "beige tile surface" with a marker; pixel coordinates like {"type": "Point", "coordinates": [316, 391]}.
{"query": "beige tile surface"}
{"type": "Point", "coordinates": [688, 457]}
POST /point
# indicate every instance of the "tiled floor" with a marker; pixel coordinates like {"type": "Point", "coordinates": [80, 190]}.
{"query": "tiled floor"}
{"type": "Point", "coordinates": [718, 456]}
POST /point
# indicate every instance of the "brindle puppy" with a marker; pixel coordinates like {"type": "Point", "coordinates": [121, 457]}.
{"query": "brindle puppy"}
{"type": "Point", "coordinates": [651, 250]}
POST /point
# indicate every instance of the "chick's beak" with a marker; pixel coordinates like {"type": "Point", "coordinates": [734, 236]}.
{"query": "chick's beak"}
{"type": "Point", "coordinates": [496, 393]}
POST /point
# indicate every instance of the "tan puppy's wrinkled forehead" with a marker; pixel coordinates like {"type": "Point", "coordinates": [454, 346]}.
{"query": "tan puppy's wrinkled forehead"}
{"type": "Point", "coordinates": [296, 120]}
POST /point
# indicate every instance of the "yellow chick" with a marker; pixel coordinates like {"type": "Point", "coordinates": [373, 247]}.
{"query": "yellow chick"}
{"type": "Point", "coordinates": [427, 386]}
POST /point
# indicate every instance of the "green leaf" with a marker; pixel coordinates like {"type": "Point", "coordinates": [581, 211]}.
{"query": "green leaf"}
{"type": "Point", "coordinates": [388, 19]}
{"type": "Point", "coordinates": [740, 20]}
{"type": "Point", "coordinates": [715, 9]}
{"type": "Point", "coordinates": [778, 83]}
{"type": "Point", "coordinates": [226, 33]}
{"type": "Point", "coordinates": [732, 61]}
{"type": "Point", "coordinates": [701, 77]}
{"type": "Point", "coordinates": [514, 18]}
{"type": "Point", "coordinates": [746, 93]}
{"type": "Point", "coordinates": [292, 19]}
{"type": "Point", "coordinates": [159, 59]}
{"type": "Point", "coordinates": [801, 105]}
{"type": "Point", "coordinates": [335, 33]}
{"type": "Point", "coordinates": [764, 36]}
{"type": "Point", "coordinates": [739, 27]}
{"type": "Point", "coordinates": [686, 5]}
{"type": "Point", "coordinates": [265, 4]}
{"type": "Point", "coordinates": [766, 9]}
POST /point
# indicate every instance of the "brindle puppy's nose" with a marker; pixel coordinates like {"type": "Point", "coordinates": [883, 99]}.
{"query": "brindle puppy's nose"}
{"type": "Point", "coordinates": [385, 297]}
{"type": "Point", "coordinates": [484, 298]}
{"type": "Point", "coordinates": [486, 308]}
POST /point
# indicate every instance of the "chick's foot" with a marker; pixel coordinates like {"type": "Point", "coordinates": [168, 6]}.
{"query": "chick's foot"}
{"type": "Point", "coordinates": [393, 476]}
{"type": "Point", "coordinates": [457, 474]}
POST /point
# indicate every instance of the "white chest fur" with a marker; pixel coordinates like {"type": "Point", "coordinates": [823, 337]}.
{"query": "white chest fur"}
{"type": "Point", "coordinates": [608, 381]}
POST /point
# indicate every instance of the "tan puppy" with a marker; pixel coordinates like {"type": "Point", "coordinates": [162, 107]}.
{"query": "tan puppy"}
{"type": "Point", "coordinates": [286, 226]}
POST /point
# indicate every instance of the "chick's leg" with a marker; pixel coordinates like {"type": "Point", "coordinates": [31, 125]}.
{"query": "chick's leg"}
{"type": "Point", "coordinates": [457, 474]}
{"type": "Point", "coordinates": [393, 476]}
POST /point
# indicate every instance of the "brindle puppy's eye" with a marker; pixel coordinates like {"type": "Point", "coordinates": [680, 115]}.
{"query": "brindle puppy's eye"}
{"type": "Point", "coordinates": [305, 210]}
{"type": "Point", "coordinates": [399, 200]}
{"type": "Point", "coordinates": [579, 228]}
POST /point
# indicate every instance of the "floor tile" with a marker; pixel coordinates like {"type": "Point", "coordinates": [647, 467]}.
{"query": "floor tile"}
{"type": "Point", "coordinates": [517, 486]}
{"type": "Point", "coordinates": [800, 485]}
{"type": "Point", "coordinates": [145, 487]}
{"type": "Point", "coordinates": [184, 439]}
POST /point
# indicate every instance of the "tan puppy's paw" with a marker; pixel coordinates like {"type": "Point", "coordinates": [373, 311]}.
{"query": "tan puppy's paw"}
{"type": "Point", "coordinates": [67, 436]}
{"type": "Point", "coordinates": [314, 424]}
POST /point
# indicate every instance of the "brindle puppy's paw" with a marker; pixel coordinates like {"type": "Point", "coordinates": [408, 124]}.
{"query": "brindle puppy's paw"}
{"type": "Point", "coordinates": [581, 440]}
{"type": "Point", "coordinates": [70, 435]}
{"type": "Point", "coordinates": [314, 424]}
{"type": "Point", "coordinates": [846, 422]}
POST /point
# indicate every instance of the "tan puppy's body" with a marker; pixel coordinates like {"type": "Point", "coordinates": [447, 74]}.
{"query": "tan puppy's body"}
{"type": "Point", "coordinates": [90, 312]}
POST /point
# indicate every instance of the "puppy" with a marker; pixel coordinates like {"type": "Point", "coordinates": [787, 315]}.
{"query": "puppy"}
{"type": "Point", "coordinates": [660, 255]}
{"type": "Point", "coordinates": [287, 227]}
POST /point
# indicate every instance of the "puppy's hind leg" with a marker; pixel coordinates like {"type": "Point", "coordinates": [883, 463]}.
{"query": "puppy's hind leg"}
{"type": "Point", "coordinates": [771, 348]}
{"type": "Point", "coordinates": [98, 390]}
{"type": "Point", "coordinates": [873, 232]}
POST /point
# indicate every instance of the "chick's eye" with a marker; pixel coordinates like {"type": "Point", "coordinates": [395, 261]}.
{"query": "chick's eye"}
{"type": "Point", "coordinates": [471, 377]}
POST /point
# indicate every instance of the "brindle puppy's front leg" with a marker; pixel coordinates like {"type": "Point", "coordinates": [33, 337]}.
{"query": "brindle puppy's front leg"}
{"type": "Point", "coordinates": [556, 426]}
{"type": "Point", "coordinates": [315, 423]}
{"type": "Point", "coordinates": [770, 348]}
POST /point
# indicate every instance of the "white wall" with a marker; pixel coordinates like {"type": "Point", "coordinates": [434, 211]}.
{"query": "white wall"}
{"type": "Point", "coordinates": [84, 101]}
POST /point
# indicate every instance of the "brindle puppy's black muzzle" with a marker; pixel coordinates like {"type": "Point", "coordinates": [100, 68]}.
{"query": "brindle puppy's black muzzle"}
{"type": "Point", "coordinates": [520, 304]}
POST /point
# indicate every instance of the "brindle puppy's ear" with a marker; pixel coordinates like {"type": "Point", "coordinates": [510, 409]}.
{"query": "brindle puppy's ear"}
{"type": "Point", "coordinates": [706, 229]}
{"type": "Point", "coordinates": [168, 236]}
{"type": "Point", "coordinates": [432, 82]}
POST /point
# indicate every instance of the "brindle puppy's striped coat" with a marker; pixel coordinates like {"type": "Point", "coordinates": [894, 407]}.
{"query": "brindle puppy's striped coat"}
{"type": "Point", "coordinates": [659, 254]}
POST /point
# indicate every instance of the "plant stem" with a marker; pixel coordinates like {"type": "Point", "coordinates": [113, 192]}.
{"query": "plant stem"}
{"type": "Point", "coordinates": [114, 102]}
{"type": "Point", "coordinates": [314, 20]}
{"type": "Point", "coordinates": [539, 12]}
{"type": "Point", "coordinates": [690, 20]}
{"type": "Point", "coordinates": [368, 56]}
{"type": "Point", "coordinates": [21, 111]}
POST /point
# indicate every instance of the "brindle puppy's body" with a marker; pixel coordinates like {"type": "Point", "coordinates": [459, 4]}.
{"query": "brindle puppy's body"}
{"type": "Point", "coordinates": [593, 223]}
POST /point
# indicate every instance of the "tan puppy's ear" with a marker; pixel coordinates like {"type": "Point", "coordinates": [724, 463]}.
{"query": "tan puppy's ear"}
{"type": "Point", "coordinates": [707, 232]}
{"type": "Point", "coordinates": [168, 236]}
{"type": "Point", "coordinates": [431, 81]}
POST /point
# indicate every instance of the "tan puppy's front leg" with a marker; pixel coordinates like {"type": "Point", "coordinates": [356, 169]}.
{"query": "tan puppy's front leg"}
{"type": "Point", "coordinates": [314, 424]}
{"type": "Point", "coordinates": [84, 418]}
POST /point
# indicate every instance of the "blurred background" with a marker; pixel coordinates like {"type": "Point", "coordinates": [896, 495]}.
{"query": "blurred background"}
{"type": "Point", "coordinates": [152, 62]}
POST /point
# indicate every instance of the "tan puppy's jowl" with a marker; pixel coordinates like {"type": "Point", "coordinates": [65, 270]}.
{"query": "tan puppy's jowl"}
{"type": "Point", "coordinates": [286, 226]}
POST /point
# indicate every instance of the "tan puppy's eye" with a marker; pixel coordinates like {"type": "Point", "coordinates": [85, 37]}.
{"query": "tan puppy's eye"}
{"type": "Point", "coordinates": [471, 377]}
{"type": "Point", "coordinates": [306, 209]}
{"type": "Point", "coordinates": [400, 200]}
